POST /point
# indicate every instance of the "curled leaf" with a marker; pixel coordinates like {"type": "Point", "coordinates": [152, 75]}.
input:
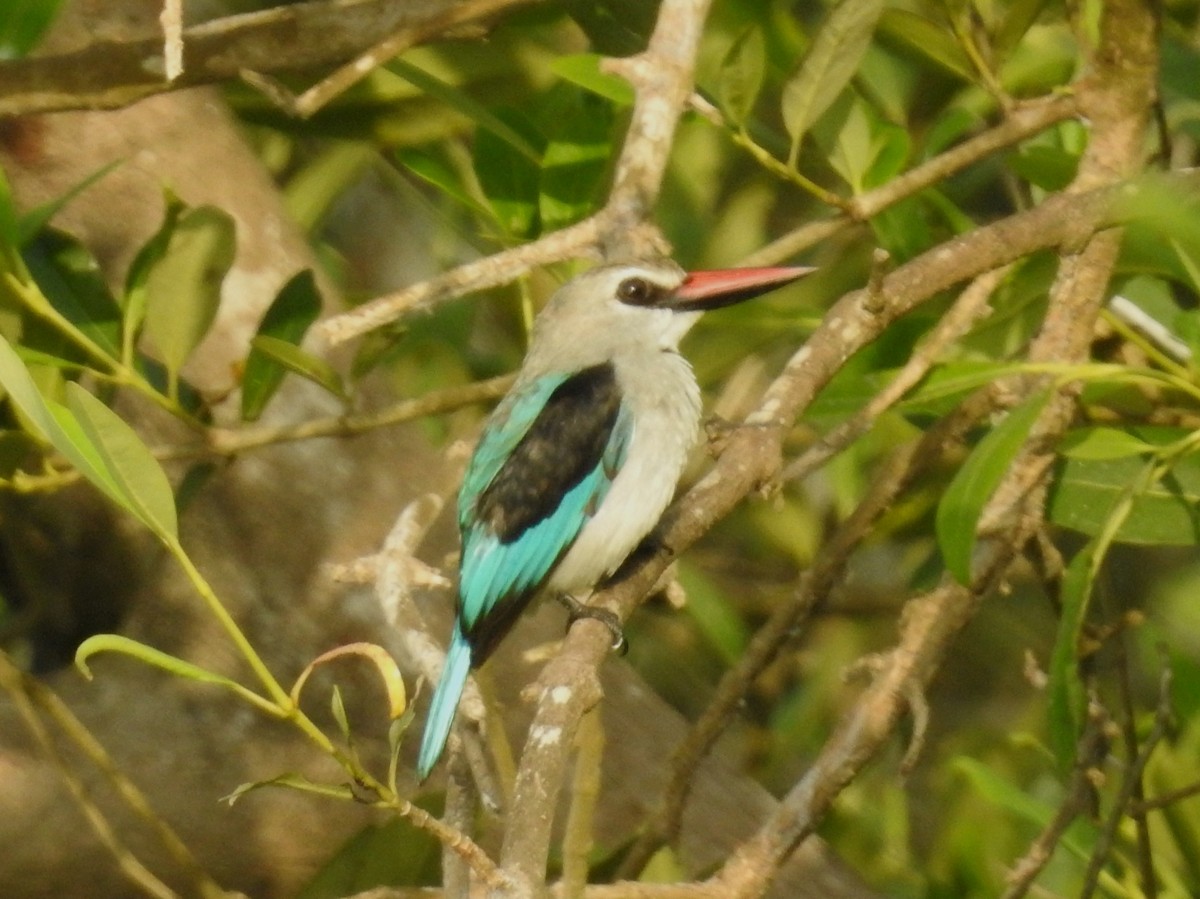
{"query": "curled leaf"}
{"type": "Point", "coordinates": [389, 673]}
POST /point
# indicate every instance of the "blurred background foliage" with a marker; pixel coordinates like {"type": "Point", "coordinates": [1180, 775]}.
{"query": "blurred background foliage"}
{"type": "Point", "coordinates": [468, 146]}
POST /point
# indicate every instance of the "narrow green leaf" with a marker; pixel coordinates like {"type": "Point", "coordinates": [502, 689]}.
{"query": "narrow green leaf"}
{"type": "Point", "coordinates": [831, 62]}
{"type": "Point", "coordinates": [130, 465]}
{"type": "Point", "coordinates": [338, 706]}
{"type": "Point", "coordinates": [459, 101]}
{"type": "Point", "coordinates": [583, 69]}
{"type": "Point", "coordinates": [961, 505]}
{"type": "Point", "coordinates": [299, 362]}
{"type": "Point", "coordinates": [1016, 800]}
{"type": "Point", "coordinates": [740, 78]}
{"type": "Point", "coordinates": [288, 319]}
{"type": "Point", "coordinates": [156, 658]}
{"type": "Point", "coordinates": [183, 287]}
{"type": "Point", "coordinates": [1066, 698]}
{"type": "Point", "coordinates": [295, 782]}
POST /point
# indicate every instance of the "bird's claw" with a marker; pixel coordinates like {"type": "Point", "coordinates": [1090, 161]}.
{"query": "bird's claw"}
{"type": "Point", "coordinates": [577, 610]}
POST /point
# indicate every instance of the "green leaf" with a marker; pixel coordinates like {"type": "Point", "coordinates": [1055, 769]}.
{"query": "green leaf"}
{"type": "Point", "coordinates": [913, 33]}
{"type": "Point", "coordinates": [156, 658]}
{"type": "Point", "coordinates": [575, 163]}
{"type": "Point", "coordinates": [583, 69]}
{"type": "Point", "coordinates": [831, 62]}
{"type": "Point", "coordinates": [459, 101]}
{"type": "Point", "coordinates": [1066, 705]}
{"type": "Point", "coordinates": [1021, 15]}
{"type": "Point", "coordinates": [297, 361]}
{"type": "Point", "coordinates": [143, 485]}
{"type": "Point", "coordinates": [1102, 443]}
{"type": "Point", "coordinates": [1086, 490]}
{"type": "Point", "coordinates": [435, 171]}
{"type": "Point", "coordinates": [961, 505]}
{"type": "Point", "coordinates": [509, 179]}
{"type": "Point", "coordinates": [10, 228]}
{"type": "Point", "coordinates": [70, 280]}
{"type": "Point", "coordinates": [134, 299]}
{"type": "Point", "coordinates": [22, 24]}
{"type": "Point", "coordinates": [183, 287]}
{"type": "Point", "coordinates": [740, 78]}
{"type": "Point", "coordinates": [713, 614]}
{"type": "Point", "coordinates": [1050, 168]}
{"type": "Point", "coordinates": [288, 319]}
{"type": "Point", "coordinates": [295, 782]}
{"type": "Point", "coordinates": [42, 418]}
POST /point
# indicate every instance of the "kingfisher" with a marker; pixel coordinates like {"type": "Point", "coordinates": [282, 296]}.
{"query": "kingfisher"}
{"type": "Point", "coordinates": [581, 457]}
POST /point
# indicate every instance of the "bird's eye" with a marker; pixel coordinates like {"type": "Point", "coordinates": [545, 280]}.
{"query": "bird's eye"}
{"type": "Point", "coordinates": [635, 291]}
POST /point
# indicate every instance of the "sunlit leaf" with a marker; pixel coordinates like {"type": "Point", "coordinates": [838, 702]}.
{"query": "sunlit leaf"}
{"type": "Point", "coordinates": [288, 319]}
{"type": "Point", "coordinates": [115, 643]}
{"type": "Point", "coordinates": [830, 63]}
{"type": "Point", "coordinates": [137, 474]}
{"type": "Point", "coordinates": [183, 287]}
{"type": "Point", "coordinates": [296, 360]}
{"type": "Point", "coordinates": [583, 69]}
{"type": "Point", "coordinates": [385, 665]}
{"type": "Point", "coordinates": [962, 504]}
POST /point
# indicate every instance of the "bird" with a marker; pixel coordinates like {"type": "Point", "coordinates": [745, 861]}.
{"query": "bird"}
{"type": "Point", "coordinates": [581, 457]}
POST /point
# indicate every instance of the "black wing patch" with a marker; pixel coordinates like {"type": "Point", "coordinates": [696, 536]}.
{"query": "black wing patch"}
{"type": "Point", "coordinates": [565, 442]}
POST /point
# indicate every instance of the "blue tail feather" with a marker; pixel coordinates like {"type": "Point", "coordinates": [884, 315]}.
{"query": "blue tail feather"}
{"type": "Point", "coordinates": [444, 704]}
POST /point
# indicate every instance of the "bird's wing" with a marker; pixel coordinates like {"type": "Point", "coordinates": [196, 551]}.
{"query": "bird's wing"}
{"type": "Point", "coordinates": [543, 467]}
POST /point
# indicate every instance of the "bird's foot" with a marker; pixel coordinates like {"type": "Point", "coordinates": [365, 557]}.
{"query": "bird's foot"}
{"type": "Point", "coordinates": [577, 610]}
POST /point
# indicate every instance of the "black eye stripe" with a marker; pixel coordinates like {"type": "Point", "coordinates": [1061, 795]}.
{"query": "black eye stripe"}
{"type": "Point", "coordinates": [638, 292]}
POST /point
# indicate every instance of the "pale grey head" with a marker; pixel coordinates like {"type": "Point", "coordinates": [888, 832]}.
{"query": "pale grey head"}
{"type": "Point", "coordinates": [631, 308]}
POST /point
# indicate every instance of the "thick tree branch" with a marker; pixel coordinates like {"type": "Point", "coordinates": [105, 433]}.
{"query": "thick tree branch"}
{"type": "Point", "coordinates": [107, 74]}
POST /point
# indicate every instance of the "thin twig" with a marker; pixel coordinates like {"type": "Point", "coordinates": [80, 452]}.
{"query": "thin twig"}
{"type": "Point", "coordinates": [1093, 745]}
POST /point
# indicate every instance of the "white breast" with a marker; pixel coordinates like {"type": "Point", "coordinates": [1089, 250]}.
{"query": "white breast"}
{"type": "Point", "coordinates": [664, 400]}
